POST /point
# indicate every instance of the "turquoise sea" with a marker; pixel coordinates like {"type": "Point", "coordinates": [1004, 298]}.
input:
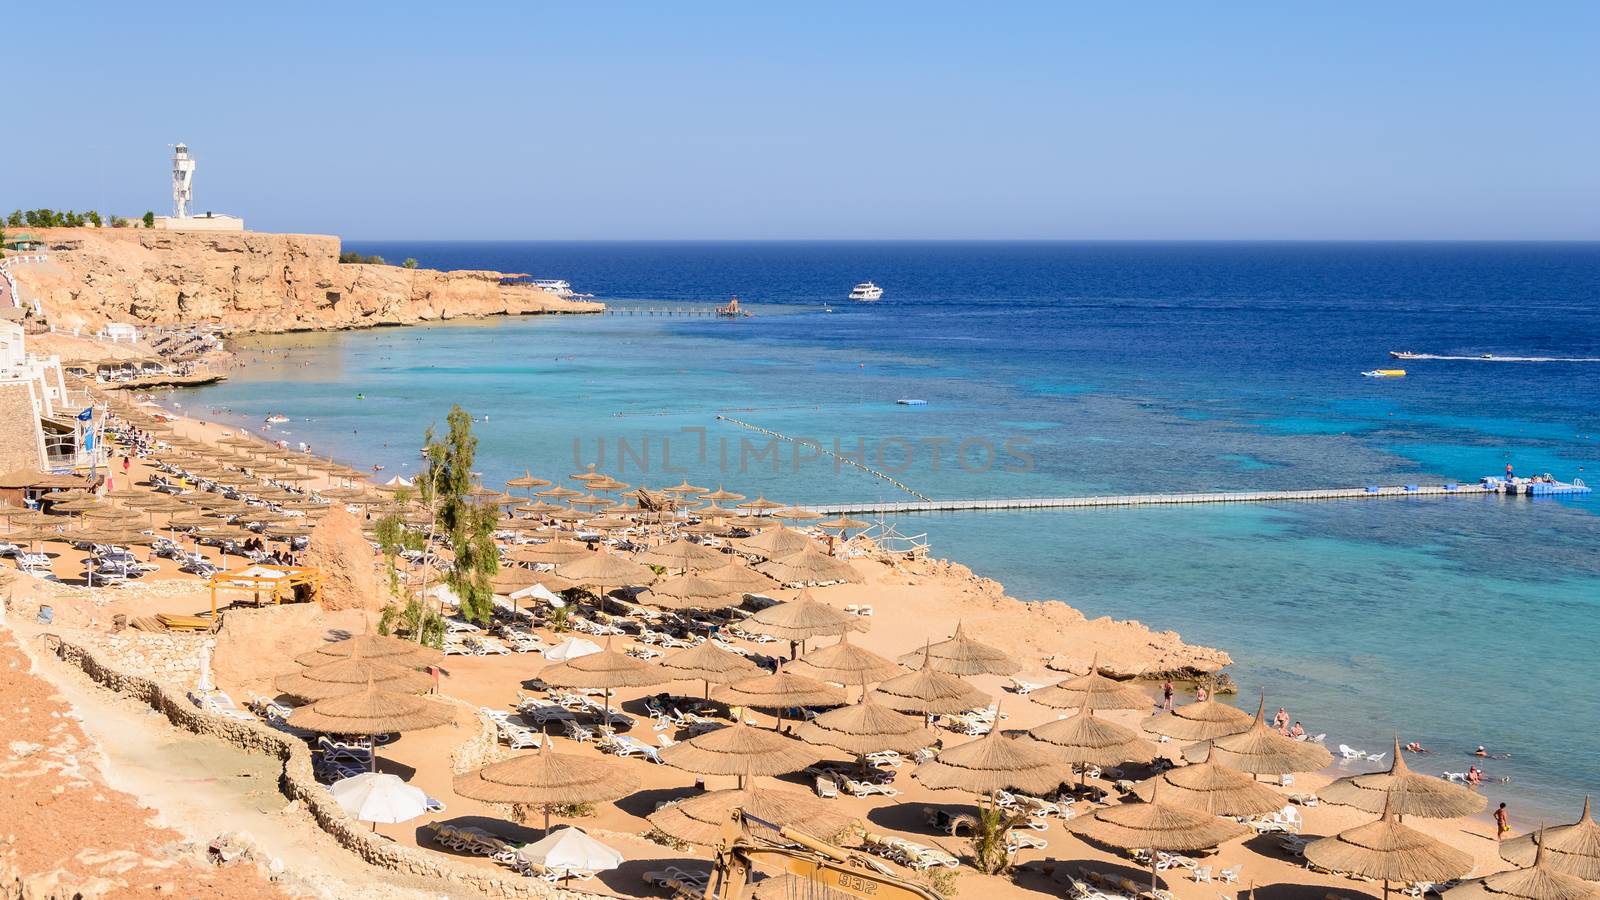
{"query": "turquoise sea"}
{"type": "Point", "coordinates": [1063, 369]}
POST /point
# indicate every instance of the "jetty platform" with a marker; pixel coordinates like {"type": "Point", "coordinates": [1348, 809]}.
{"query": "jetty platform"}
{"type": "Point", "coordinates": [1370, 492]}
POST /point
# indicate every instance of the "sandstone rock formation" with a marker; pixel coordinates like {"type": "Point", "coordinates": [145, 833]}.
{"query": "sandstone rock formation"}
{"type": "Point", "coordinates": [349, 571]}
{"type": "Point", "coordinates": [252, 281]}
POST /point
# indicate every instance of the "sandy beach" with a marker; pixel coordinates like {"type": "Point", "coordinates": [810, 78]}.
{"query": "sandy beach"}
{"type": "Point", "coordinates": [914, 602]}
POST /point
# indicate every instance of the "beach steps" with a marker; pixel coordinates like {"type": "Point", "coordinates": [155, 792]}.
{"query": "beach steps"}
{"type": "Point", "coordinates": [1371, 492]}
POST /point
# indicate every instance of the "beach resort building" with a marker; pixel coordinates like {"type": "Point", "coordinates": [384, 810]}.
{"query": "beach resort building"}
{"type": "Point", "coordinates": [42, 430]}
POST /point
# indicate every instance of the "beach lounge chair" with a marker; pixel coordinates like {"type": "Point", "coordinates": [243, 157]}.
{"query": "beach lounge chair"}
{"type": "Point", "coordinates": [1024, 688]}
{"type": "Point", "coordinates": [632, 746]}
{"type": "Point", "coordinates": [885, 759]}
{"type": "Point", "coordinates": [1021, 840]}
{"type": "Point", "coordinates": [862, 789]}
{"type": "Point", "coordinates": [1349, 752]}
{"type": "Point", "coordinates": [1377, 757]}
{"type": "Point", "coordinates": [641, 651]}
{"type": "Point", "coordinates": [1201, 874]}
{"type": "Point", "coordinates": [1230, 875]}
{"type": "Point", "coordinates": [577, 732]}
{"type": "Point", "coordinates": [825, 787]}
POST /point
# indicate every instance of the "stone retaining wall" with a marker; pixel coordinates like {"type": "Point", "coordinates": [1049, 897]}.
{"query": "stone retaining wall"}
{"type": "Point", "coordinates": [298, 783]}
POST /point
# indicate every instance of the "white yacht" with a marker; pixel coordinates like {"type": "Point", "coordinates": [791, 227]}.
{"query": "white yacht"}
{"type": "Point", "coordinates": [866, 291]}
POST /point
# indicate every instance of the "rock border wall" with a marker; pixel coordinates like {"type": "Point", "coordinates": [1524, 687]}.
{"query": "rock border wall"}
{"type": "Point", "coordinates": [298, 783]}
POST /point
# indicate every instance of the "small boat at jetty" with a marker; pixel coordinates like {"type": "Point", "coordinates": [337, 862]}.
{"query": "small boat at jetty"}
{"type": "Point", "coordinates": [732, 309]}
{"type": "Point", "coordinates": [908, 401]}
{"type": "Point", "coordinates": [1539, 486]}
{"type": "Point", "coordinates": [1385, 373]}
{"type": "Point", "coordinates": [866, 292]}
{"type": "Point", "coordinates": [277, 419]}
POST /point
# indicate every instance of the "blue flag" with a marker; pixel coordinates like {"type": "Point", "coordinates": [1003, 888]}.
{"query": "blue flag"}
{"type": "Point", "coordinates": [86, 415]}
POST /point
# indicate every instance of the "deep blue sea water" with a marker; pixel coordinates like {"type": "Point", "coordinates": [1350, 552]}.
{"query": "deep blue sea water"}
{"type": "Point", "coordinates": [1060, 369]}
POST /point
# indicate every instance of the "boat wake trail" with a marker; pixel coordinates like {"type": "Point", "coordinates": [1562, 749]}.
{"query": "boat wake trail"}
{"type": "Point", "coordinates": [1489, 357]}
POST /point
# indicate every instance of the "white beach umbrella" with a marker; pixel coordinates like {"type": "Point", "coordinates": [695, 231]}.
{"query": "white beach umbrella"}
{"type": "Point", "coordinates": [571, 648]}
{"type": "Point", "coordinates": [379, 797]}
{"type": "Point", "coordinates": [539, 592]}
{"type": "Point", "coordinates": [568, 850]}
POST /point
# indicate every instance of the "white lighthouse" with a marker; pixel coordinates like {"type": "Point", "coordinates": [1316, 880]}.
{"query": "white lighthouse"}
{"type": "Point", "coordinates": [182, 181]}
{"type": "Point", "coordinates": [183, 217]}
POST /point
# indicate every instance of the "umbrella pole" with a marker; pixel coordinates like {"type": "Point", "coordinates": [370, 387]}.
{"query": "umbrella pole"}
{"type": "Point", "coordinates": [1153, 872]}
{"type": "Point", "coordinates": [547, 819]}
{"type": "Point", "coordinates": [372, 753]}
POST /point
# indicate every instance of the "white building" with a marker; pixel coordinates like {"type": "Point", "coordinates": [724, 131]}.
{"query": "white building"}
{"type": "Point", "coordinates": [183, 217]}
{"type": "Point", "coordinates": [33, 392]}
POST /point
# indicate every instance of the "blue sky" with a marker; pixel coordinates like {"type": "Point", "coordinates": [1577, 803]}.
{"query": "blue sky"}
{"type": "Point", "coordinates": [701, 120]}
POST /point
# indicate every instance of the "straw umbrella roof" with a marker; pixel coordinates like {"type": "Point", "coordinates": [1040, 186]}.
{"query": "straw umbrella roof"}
{"type": "Point", "coordinates": [346, 676]}
{"type": "Point", "coordinates": [1213, 788]}
{"type": "Point", "coordinates": [553, 552]}
{"type": "Point", "coordinates": [606, 570]}
{"type": "Point", "coordinates": [800, 619]}
{"type": "Point", "coordinates": [961, 655]}
{"type": "Point", "coordinates": [779, 690]}
{"type": "Point", "coordinates": [558, 491]}
{"type": "Point", "coordinates": [848, 663]}
{"type": "Point", "coordinates": [371, 711]}
{"type": "Point", "coordinates": [740, 749]}
{"type": "Point", "coordinates": [710, 663]}
{"type": "Point", "coordinates": [509, 580]}
{"type": "Point", "coordinates": [689, 592]}
{"type": "Point", "coordinates": [1203, 721]}
{"type": "Point", "coordinates": [775, 542]}
{"type": "Point", "coordinates": [607, 669]}
{"type": "Point", "coordinates": [684, 488]}
{"type": "Point", "coordinates": [700, 819]}
{"type": "Point", "coordinates": [721, 494]}
{"type": "Point", "coordinates": [1261, 750]}
{"type": "Point", "coordinates": [1570, 849]}
{"type": "Point", "coordinates": [739, 577]}
{"type": "Point", "coordinates": [760, 504]}
{"type": "Point", "coordinates": [1099, 690]}
{"type": "Point", "coordinates": [379, 647]}
{"type": "Point", "coordinates": [1086, 740]}
{"type": "Point", "coordinates": [810, 566]}
{"type": "Point", "coordinates": [545, 778]}
{"type": "Point", "coordinates": [526, 480]}
{"type": "Point", "coordinates": [1159, 824]}
{"type": "Point", "coordinates": [796, 514]}
{"type": "Point", "coordinates": [715, 512]}
{"type": "Point", "coordinates": [994, 763]}
{"type": "Point", "coordinates": [930, 692]}
{"type": "Point", "coordinates": [1414, 794]}
{"type": "Point", "coordinates": [867, 726]}
{"type": "Point", "coordinates": [1389, 851]}
{"type": "Point", "coordinates": [1536, 882]}
{"type": "Point", "coordinates": [841, 523]}
{"type": "Point", "coordinates": [683, 554]}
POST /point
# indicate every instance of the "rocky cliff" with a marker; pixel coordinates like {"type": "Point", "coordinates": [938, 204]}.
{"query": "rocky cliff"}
{"type": "Point", "coordinates": [252, 282]}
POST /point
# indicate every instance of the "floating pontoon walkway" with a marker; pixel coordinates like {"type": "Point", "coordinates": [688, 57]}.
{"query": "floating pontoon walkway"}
{"type": "Point", "coordinates": [1361, 493]}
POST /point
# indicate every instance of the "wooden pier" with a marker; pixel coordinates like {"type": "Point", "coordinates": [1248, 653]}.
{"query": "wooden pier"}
{"type": "Point", "coordinates": [1184, 499]}
{"type": "Point", "coordinates": [655, 310]}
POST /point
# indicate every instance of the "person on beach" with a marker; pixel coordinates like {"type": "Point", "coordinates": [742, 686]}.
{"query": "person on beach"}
{"type": "Point", "coordinates": [1281, 720]}
{"type": "Point", "coordinates": [1201, 695]}
{"type": "Point", "coordinates": [1415, 747]}
{"type": "Point", "coordinates": [1502, 823]}
{"type": "Point", "coordinates": [1297, 731]}
{"type": "Point", "coordinates": [1481, 752]}
{"type": "Point", "coordinates": [1474, 776]}
{"type": "Point", "coordinates": [1166, 695]}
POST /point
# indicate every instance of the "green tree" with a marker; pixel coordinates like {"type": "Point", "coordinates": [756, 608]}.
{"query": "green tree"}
{"type": "Point", "coordinates": [149, 219]}
{"type": "Point", "coordinates": [94, 218]}
{"type": "Point", "coordinates": [410, 263]}
{"type": "Point", "coordinates": [989, 851]}
{"type": "Point", "coordinates": [15, 219]}
{"type": "Point", "coordinates": [119, 222]}
{"type": "Point", "coordinates": [469, 526]}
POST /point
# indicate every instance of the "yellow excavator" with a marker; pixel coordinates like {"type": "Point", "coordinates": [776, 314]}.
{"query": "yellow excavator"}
{"type": "Point", "coordinates": [833, 871]}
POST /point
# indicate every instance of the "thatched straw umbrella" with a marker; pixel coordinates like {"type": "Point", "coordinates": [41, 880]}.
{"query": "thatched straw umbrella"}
{"type": "Point", "coordinates": [607, 669]}
{"type": "Point", "coordinates": [847, 663]}
{"type": "Point", "coordinates": [338, 677]}
{"type": "Point", "coordinates": [1156, 825]}
{"type": "Point", "coordinates": [801, 619]}
{"type": "Point", "coordinates": [1101, 692]}
{"type": "Point", "coordinates": [1414, 794]}
{"type": "Point", "coordinates": [867, 727]}
{"type": "Point", "coordinates": [1083, 740]}
{"type": "Point", "coordinates": [1536, 882]}
{"type": "Point", "coordinates": [721, 494]}
{"type": "Point", "coordinates": [930, 692]}
{"type": "Point", "coordinates": [1388, 851]}
{"type": "Point", "coordinates": [780, 690]}
{"type": "Point", "coordinates": [700, 819]}
{"type": "Point", "coordinates": [551, 552]}
{"type": "Point", "coordinates": [527, 481]}
{"type": "Point", "coordinates": [709, 663]}
{"type": "Point", "coordinates": [689, 591]}
{"type": "Point", "coordinates": [993, 763]}
{"type": "Point", "coordinates": [1261, 750]}
{"type": "Point", "coordinates": [740, 750]}
{"type": "Point", "coordinates": [682, 555]}
{"type": "Point", "coordinates": [605, 571]}
{"type": "Point", "coordinates": [1569, 849]}
{"type": "Point", "coordinates": [961, 655]}
{"type": "Point", "coordinates": [1213, 788]}
{"type": "Point", "coordinates": [378, 647]}
{"type": "Point", "coordinates": [545, 779]}
{"type": "Point", "coordinates": [369, 712]}
{"type": "Point", "coordinates": [738, 577]}
{"type": "Point", "coordinates": [775, 542]}
{"type": "Point", "coordinates": [810, 566]}
{"type": "Point", "coordinates": [1206, 720]}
